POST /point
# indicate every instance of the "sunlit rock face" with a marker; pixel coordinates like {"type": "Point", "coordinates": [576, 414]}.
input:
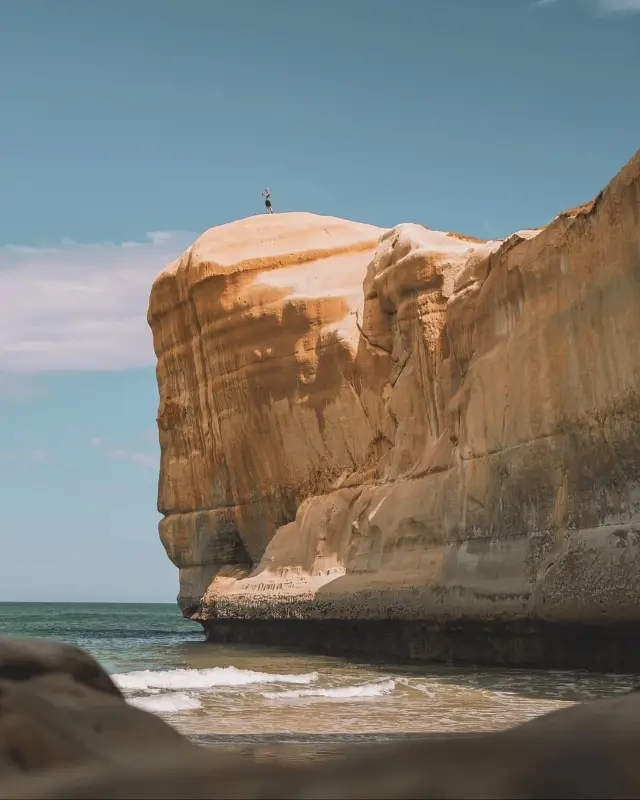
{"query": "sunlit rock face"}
{"type": "Point", "coordinates": [362, 426]}
{"type": "Point", "coordinates": [256, 329]}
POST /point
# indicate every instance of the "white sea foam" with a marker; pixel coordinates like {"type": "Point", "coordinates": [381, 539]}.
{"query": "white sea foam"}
{"type": "Point", "coordinates": [166, 703]}
{"type": "Point", "coordinates": [375, 689]}
{"type": "Point", "coordinates": [146, 680]}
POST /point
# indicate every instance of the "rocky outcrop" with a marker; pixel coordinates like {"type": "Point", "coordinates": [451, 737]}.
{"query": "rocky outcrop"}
{"type": "Point", "coordinates": [407, 441]}
{"type": "Point", "coordinates": [66, 732]}
{"type": "Point", "coordinates": [59, 709]}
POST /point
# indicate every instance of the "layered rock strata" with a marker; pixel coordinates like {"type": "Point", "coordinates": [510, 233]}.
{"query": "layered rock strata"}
{"type": "Point", "coordinates": [406, 441]}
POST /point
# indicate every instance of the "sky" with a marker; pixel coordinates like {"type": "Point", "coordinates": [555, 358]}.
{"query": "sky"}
{"type": "Point", "coordinates": [127, 128]}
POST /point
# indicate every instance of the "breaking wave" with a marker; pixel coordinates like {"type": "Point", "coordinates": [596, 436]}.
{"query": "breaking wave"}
{"type": "Point", "coordinates": [176, 679]}
{"type": "Point", "coordinates": [375, 689]}
{"type": "Point", "coordinates": [166, 703]}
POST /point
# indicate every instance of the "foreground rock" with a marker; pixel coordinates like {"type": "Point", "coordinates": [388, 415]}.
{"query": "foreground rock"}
{"type": "Point", "coordinates": [58, 707]}
{"type": "Point", "coordinates": [69, 734]}
{"type": "Point", "coordinates": [413, 443]}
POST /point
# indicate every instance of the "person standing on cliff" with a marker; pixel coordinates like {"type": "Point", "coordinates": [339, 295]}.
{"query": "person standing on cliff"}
{"type": "Point", "coordinates": [267, 200]}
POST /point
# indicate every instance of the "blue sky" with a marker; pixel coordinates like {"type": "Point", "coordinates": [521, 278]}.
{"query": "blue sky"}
{"type": "Point", "coordinates": [129, 127]}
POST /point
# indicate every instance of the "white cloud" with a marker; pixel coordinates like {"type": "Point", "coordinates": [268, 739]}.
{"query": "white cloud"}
{"type": "Point", "coordinates": [603, 7]}
{"type": "Point", "coordinates": [80, 307]}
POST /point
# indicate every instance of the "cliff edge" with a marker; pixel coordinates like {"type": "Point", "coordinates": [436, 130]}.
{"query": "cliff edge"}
{"type": "Point", "coordinates": [408, 442]}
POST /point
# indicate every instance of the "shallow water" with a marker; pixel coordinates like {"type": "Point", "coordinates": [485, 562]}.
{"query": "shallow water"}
{"type": "Point", "coordinates": [251, 696]}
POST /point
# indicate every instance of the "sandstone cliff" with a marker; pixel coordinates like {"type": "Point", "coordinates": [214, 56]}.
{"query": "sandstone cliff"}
{"type": "Point", "coordinates": [361, 426]}
{"type": "Point", "coordinates": [256, 330]}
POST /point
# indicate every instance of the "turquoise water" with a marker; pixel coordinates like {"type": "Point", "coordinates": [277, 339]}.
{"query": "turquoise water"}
{"type": "Point", "coordinates": [122, 636]}
{"type": "Point", "coordinates": [212, 692]}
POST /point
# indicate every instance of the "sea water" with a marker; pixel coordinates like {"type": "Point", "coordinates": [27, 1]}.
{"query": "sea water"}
{"type": "Point", "coordinates": [235, 695]}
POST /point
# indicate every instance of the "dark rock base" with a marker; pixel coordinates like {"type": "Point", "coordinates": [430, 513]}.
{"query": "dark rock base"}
{"type": "Point", "coordinates": [532, 644]}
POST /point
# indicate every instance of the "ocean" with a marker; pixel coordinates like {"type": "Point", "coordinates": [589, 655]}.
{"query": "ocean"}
{"type": "Point", "coordinates": [256, 698]}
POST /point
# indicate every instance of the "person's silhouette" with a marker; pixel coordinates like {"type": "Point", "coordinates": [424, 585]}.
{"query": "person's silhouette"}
{"type": "Point", "coordinates": [267, 201]}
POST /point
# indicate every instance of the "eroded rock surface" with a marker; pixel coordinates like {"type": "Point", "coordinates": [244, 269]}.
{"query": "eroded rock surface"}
{"type": "Point", "coordinates": [255, 329]}
{"type": "Point", "coordinates": [363, 427]}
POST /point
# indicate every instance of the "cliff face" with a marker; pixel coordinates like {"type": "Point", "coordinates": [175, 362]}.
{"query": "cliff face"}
{"type": "Point", "coordinates": [255, 329]}
{"type": "Point", "coordinates": [457, 424]}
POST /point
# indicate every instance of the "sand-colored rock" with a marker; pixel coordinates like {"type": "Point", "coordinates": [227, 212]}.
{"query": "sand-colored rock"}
{"type": "Point", "coordinates": [477, 413]}
{"type": "Point", "coordinates": [256, 329]}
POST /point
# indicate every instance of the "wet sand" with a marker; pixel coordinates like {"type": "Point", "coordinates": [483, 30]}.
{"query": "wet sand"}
{"type": "Point", "coordinates": [296, 749]}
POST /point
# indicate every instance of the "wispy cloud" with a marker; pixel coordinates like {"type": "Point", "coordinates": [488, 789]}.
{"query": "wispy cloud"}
{"type": "Point", "coordinates": [602, 7]}
{"type": "Point", "coordinates": [142, 458]}
{"type": "Point", "coordinates": [80, 307]}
